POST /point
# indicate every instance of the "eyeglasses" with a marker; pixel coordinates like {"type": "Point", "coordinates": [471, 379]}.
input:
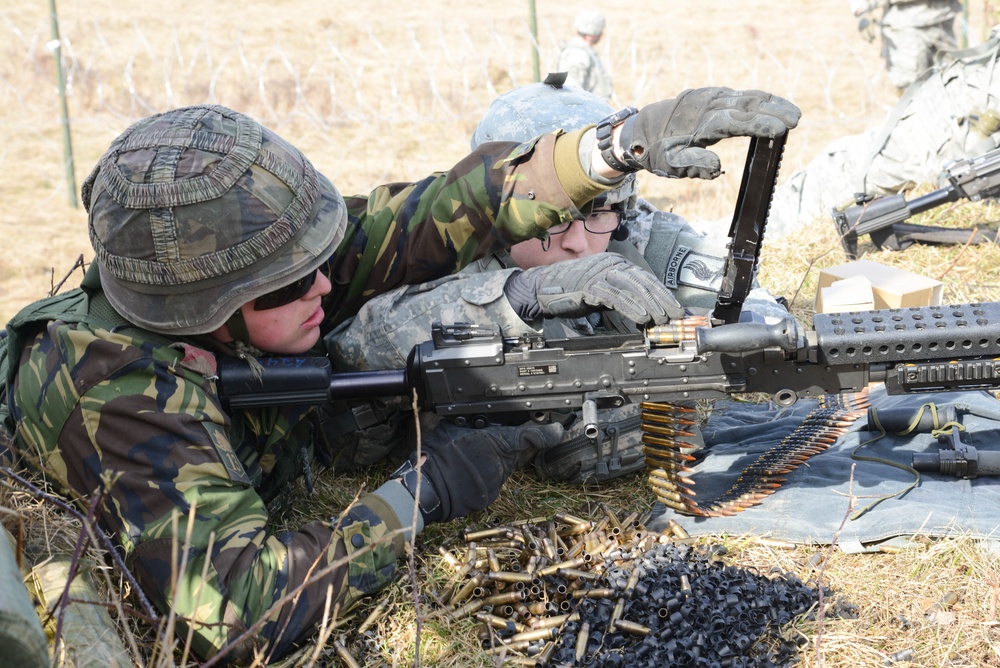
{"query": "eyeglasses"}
{"type": "Point", "coordinates": [599, 222]}
{"type": "Point", "coordinates": [285, 294]}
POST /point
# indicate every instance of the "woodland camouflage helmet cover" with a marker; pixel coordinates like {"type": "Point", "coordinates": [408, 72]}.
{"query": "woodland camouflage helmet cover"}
{"type": "Point", "coordinates": [534, 109]}
{"type": "Point", "coordinates": [199, 210]}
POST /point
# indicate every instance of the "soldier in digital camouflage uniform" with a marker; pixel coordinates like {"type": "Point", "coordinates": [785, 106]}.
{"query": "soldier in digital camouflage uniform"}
{"type": "Point", "coordinates": [387, 328]}
{"type": "Point", "coordinates": [913, 32]}
{"type": "Point", "coordinates": [215, 237]}
{"type": "Point", "coordinates": [579, 59]}
{"type": "Point", "coordinates": [950, 112]}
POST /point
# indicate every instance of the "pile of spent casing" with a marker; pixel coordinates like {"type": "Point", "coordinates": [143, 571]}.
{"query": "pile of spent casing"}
{"type": "Point", "coordinates": [568, 591]}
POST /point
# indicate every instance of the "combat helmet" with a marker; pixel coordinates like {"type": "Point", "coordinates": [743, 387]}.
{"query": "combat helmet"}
{"type": "Point", "coordinates": [589, 22]}
{"type": "Point", "coordinates": [196, 211]}
{"type": "Point", "coordinates": [535, 109]}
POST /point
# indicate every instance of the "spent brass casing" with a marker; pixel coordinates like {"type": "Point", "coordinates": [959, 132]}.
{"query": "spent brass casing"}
{"type": "Point", "coordinates": [631, 627]}
{"type": "Point", "coordinates": [577, 574]}
{"type": "Point", "coordinates": [345, 655]}
{"type": "Point", "coordinates": [539, 607]}
{"type": "Point", "coordinates": [554, 621]}
{"type": "Point", "coordinates": [571, 563]}
{"type": "Point", "coordinates": [491, 557]}
{"type": "Point", "coordinates": [546, 654]}
{"type": "Point", "coordinates": [581, 641]}
{"type": "Point", "coordinates": [597, 592]}
{"type": "Point", "coordinates": [549, 548]}
{"type": "Point", "coordinates": [449, 558]}
{"type": "Point", "coordinates": [633, 580]}
{"type": "Point", "coordinates": [566, 518]}
{"type": "Point", "coordinates": [466, 589]}
{"type": "Point", "coordinates": [469, 536]}
{"type": "Point", "coordinates": [617, 612]}
{"type": "Point", "coordinates": [506, 647]}
{"type": "Point", "coordinates": [535, 634]}
{"type": "Point", "coordinates": [506, 597]}
{"type": "Point", "coordinates": [501, 623]}
{"type": "Point", "coordinates": [469, 608]}
{"type": "Point", "coordinates": [374, 615]}
{"type": "Point", "coordinates": [508, 576]}
{"type": "Point", "coordinates": [677, 530]}
{"type": "Point", "coordinates": [576, 529]}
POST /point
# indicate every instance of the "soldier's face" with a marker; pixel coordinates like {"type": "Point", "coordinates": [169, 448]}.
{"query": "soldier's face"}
{"type": "Point", "coordinates": [573, 243]}
{"type": "Point", "coordinates": [290, 329]}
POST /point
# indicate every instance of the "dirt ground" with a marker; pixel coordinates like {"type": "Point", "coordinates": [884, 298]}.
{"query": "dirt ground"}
{"type": "Point", "coordinates": [384, 91]}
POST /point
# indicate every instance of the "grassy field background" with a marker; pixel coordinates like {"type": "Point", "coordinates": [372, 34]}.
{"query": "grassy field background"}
{"type": "Point", "coordinates": [387, 91]}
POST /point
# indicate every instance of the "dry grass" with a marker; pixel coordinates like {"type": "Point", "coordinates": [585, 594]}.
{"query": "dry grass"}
{"type": "Point", "coordinates": [384, 91]}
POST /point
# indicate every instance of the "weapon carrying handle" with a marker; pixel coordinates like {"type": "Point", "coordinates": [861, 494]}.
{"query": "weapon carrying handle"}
{"type": "Point", "coordinates": [746, 337]}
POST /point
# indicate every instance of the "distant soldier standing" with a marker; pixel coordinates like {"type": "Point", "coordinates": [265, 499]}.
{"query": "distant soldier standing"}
{"type": "Point", "coordinates": [913, 31]}
{"type": "Point", "coordinates": [579, 58]}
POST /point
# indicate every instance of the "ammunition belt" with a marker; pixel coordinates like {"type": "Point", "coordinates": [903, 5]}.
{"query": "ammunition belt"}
{"type": "Point", "coordinates": [668, 457]}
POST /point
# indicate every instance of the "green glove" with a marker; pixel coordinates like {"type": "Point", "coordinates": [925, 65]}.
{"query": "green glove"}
{"type": "Point", "coordinates": [668, 138]}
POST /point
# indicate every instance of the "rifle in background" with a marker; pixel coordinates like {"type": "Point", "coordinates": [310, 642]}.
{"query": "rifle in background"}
{"type": "Point", "coordinates": [882, 217]}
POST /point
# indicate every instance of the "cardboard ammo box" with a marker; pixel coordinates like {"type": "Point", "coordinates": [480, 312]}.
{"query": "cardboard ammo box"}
{"type": "Point", "coordinates": [843, 288]}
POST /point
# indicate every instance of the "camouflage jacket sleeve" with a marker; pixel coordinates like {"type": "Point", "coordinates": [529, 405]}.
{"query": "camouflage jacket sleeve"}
{"type": "Point", "coordinates": [387, 328]}
{"type": "Point", "coordinates": [414, 232]}
{"type": "Point", "coordinates": [142, 424]}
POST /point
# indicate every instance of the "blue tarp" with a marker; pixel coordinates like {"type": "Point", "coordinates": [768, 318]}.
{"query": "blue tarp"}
{"type": "Point", "coordinates": [812, 505]}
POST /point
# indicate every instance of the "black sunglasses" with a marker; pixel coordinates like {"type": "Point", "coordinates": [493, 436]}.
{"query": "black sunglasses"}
{"type": "Point", "coordinates": [286, 294]}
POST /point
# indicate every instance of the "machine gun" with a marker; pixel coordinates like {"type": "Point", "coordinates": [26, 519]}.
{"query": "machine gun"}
{"type": "Point", "coordinates": [882, 217]}
{"type": "Point", "coordinates": [473, 376]}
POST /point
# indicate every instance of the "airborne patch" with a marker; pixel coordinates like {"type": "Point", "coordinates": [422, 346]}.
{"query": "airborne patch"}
{"type": "Point", "coordinates": [687, 267]}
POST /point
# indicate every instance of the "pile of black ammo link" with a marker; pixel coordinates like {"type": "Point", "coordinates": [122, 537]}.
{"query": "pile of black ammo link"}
{"type": "Point", "coordinates": [699, 612]}
{"type": "Point", "coordinates": [608, 592]}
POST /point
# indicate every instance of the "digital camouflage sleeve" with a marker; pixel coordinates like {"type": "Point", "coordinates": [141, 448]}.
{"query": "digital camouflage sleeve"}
{"type": "Point", "coordinates": [117, 411]}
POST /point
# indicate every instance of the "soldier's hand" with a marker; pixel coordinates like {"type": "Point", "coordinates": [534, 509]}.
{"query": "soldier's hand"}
{"type": "Point", "coordinates": [668, 138]}
{"type": "Point", "coordinates": [463, 470]}
{"type": "Point", "coordinates": [597, 282]}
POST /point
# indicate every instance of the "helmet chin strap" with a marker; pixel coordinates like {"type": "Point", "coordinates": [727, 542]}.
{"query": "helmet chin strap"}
{"type": "Point", "coordinates": [237, 327]}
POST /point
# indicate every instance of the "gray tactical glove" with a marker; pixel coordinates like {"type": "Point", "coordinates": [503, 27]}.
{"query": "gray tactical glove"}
{"type": "Point", "coordinates": [581, 286]}
{"type": "Point", "coordinates": [668, 137]}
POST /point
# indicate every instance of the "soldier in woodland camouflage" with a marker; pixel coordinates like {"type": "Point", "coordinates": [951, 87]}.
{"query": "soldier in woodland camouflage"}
{"type": "Point", "coordinates": [215, 237]}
